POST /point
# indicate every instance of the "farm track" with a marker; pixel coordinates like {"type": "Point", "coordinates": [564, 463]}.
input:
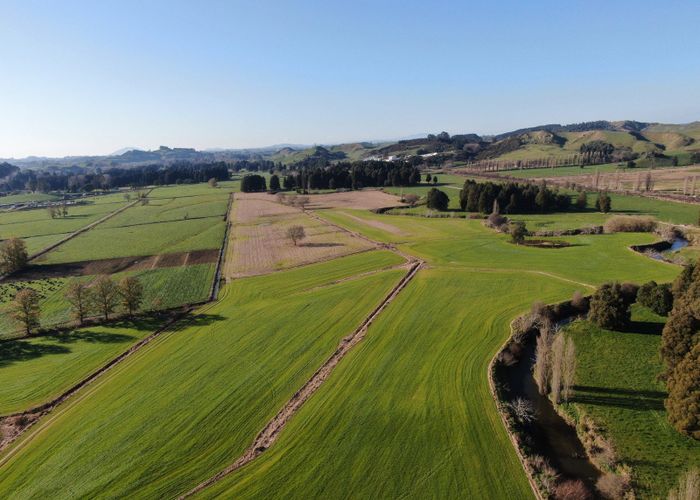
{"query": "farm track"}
{"type": "Point", "coordinates": [271, 431]}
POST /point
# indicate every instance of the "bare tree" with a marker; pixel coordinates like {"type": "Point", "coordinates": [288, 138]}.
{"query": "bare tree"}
{"type": "Point", "coordinates": [53, 213]}
{"type": "Point", "coordinates": [13, 255]}
{"type": "Point", "coordinates": [64, 209]}
{"type": "Point", "coordinates": [78, 296]}
{"type": "Point", "coordinates": [25, 309]}
{"type": "Point", "coordinates": [542, 369]}
{"type": "Point", "coordinates": [131, 293]}
{"type": "Point", "coordinates": [105, 295]}
{"type": "Point", "coordinates": [688, 486]}
{"type": "Point", "coordinates": [523, 410]}
{"type": "Point", "coordinates": [568, 369]}
{"type": "Point", "coordinates": [296, 234]}
{"type": "Point", "coordinates": [557, 365]}
{"type": "Point", "coordinates": [213, 182]}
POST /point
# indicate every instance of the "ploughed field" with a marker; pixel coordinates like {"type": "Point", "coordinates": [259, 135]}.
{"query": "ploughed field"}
{"type": "Point", "coordinates": [406, 413]}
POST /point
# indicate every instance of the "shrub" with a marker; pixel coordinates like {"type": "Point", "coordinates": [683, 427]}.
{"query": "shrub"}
{"type": "Point", "coordinates": [518, 232]}
{"type": "Point", "coordinates": [629, 224]}
{"type": "Point", "coordinates": [613, 485]}
{"type": "Point", "coordinates": [572, 490]}
{"type": "Point", "coordinates": [496, 220]}
{"type": "Point", "coordinates": [579, 302]}
{"type": "Point", "coordinates": [658, 298]}
{"type": "Point", "coordinates": [608, 307]}
{"type": "Point", "coordinates": [438, 200]}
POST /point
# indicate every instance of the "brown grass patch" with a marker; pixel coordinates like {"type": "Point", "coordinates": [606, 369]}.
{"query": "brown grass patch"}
{"type": "Point", "coordinates": [363, 200]}
{"type": "Point", "coordinates": [259, 244]}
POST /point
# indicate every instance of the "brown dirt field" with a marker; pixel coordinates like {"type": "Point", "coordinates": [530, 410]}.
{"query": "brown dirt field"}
{"type": "Point", "coordinates": [111, 266]}
{"type": "Point", "coordinates": [363, 200]}
{"type": "Point", "coordinates": [665, 179]}
{"type": "Point", "coordinates": [259, 244]}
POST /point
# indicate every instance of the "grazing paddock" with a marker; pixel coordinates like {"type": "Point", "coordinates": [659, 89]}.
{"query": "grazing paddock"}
{"type": "Point", "coordinates": [259, 242]}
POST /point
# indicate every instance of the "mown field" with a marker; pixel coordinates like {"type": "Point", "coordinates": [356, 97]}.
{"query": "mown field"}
{"type": "Point", "coordinates": [616, 385]}
{"type": "Point", "coordinates": [186, 404]}
{"type": "Point", "coordinates": [39, 230]}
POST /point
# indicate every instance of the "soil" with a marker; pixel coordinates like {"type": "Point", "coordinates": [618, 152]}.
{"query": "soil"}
{"type": "Point", "coordinates": [361, 200]}
{"type": "Point", "coordinates": [111, 266]}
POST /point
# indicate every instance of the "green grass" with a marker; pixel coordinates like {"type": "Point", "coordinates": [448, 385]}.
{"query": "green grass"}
{"type": "Point", "coordinates": [164, 288]}
{"type": "Point", "coordinates": [617, 387]}
{"type": "Point", "coordinates": [40, 230]}
{"type": "Point", "coordinates": [408, 413]}
{"type": "Point", "coordinates": [188, 403]}
{"type": "Point", "coordinates": [33, 371]}
{"type": "Point", "coordinates": [27, 197]}
{"type": "Point", "coordinates": [176, 219]}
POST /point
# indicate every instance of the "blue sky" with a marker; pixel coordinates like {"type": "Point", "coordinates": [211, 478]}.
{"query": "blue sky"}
{"type": "Point", "coordinates": [93, 77]}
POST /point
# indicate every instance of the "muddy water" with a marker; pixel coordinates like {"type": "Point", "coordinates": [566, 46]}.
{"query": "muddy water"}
{"type": "Point", "coordinates": [553, 437]}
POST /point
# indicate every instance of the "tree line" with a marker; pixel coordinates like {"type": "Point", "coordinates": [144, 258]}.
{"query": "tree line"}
{"type": "Point", "coordinates": [102, 297]}
{"type": "Point", "coordinates": [147, 175]}
{"type": "Point", "coordinates": [512, 197]}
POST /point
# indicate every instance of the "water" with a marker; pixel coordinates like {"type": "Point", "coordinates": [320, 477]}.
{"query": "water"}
{"type": "Point", "coordinates": [677, 244]}
{"type": "Point", "coordinates": [554, 438]}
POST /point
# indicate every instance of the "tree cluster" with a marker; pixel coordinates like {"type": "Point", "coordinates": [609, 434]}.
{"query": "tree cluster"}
{"type": "Point", "coordinates": [353, 175]}
{"type": "Point", "coordinates": [513, 197]}
{"type": "Point", "coordinates": [252, 183]}
{"type": "Point", "coordinates": [656, 297]}
{"type": "Point", "coordinates": [89, 180]}
{"type": "Point", "coordinates": [437, 200]}
{"type": "Point", "coordinates": [680, 351]}
{"type": "Point", "coordinates": [610, 305]}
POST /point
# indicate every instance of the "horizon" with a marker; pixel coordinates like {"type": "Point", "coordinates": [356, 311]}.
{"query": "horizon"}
{"type": "Point", "coordinates": [87, 80]}
{"type": "Point", "coordinates": [123, 150]}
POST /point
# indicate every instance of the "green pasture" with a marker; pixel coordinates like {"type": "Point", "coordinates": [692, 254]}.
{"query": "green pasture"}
{"type": "Point", "coordinates": [190, 402]}
{"type": "Point", "coordinates": [27, 197]}
{"type": "Point", "coordinates": [616, 385]}
{"type": "Point", "coordinates": [35, 370]}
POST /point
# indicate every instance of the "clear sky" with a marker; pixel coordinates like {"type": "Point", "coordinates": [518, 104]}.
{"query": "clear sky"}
{"type": "Point", "coordinates": [93, 77]}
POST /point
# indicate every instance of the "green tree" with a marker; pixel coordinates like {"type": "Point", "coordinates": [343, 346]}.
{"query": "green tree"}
{"type": "Point", "coordinates": [428, 178]}
{"type": "Point", "coordinates": [25, 309]}
{"type": "Point", "coordinates": [656, 297]}
{"type": "Point", "coordinates": [131, 293]}
{"type": "Point", "coordinates": [679, 335]}
{"type": "Point", "coordinates": [13, 255]}
{"type": "Point", "coordinates": [683, 402]}
{"type": "Point", "coordinates": [437, 200]}
{"type": "Point", "coordinates": [275, 183]}
{"type": "Point", "coordinates": [608, 307]}
{"type": "Point", "coordinates": [582, 200]}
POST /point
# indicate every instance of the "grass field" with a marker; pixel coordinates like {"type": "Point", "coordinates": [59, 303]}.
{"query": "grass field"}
{"type": "Point", "coordinates": [39, 230]}
{"type": "Point", "coordinates": [191, 401]}
{"type": "Point", "coordinates": [27, 197]}
{"type": "Point", "coordinates": [176, 219]}
{"type": "Point", "coordinates": [33, 371]}
{"type": "Point", "coordinates": [163, 288]}
{"type": "Point", "coordinates": [617, 387]}
{"type": "Point", "coordinates": [408, 413]}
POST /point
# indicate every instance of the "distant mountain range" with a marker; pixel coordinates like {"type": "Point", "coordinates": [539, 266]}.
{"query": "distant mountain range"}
{"type": "Point", "coordinates": [628, 138]}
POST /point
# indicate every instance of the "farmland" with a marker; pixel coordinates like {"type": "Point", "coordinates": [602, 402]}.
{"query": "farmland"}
{"type": "Point", "coordinates": [406, 413]}
{"type": "Point", "coordinates": [221, 345]}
